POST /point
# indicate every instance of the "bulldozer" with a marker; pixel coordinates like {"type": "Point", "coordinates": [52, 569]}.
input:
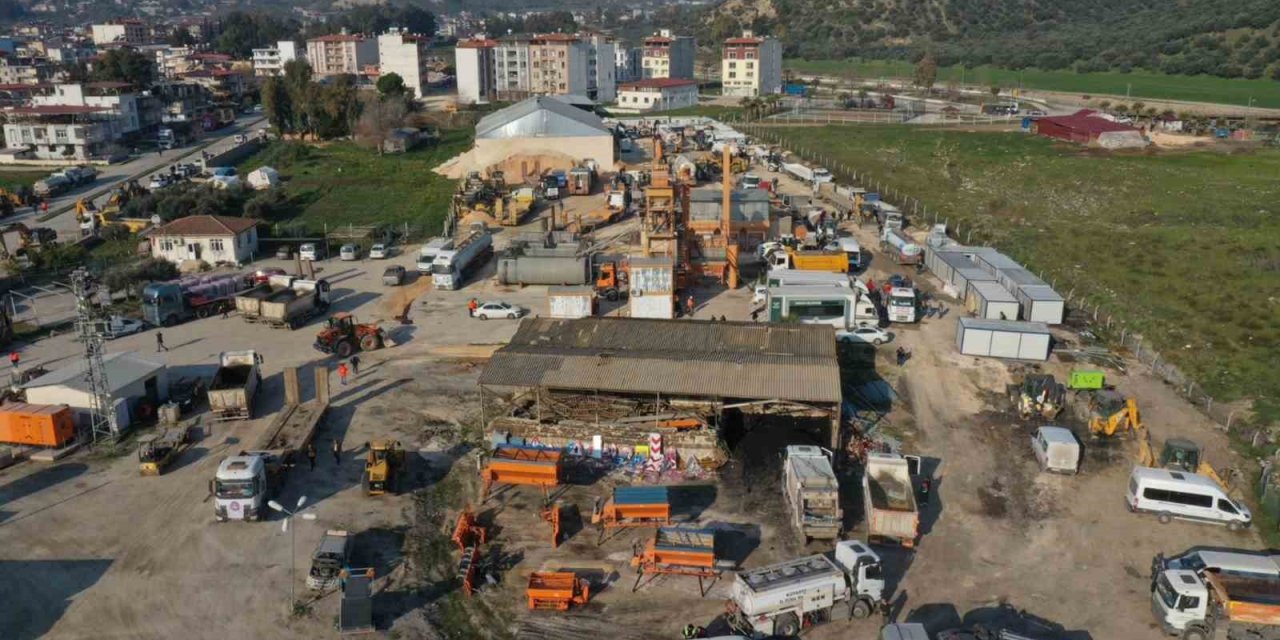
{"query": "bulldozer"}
{"type": "Point", "coordinates": [343, 336]}
{"type": "Point", "coordinates": [1038, 394]}
{"type": "Point", "coordinates": [1111, 414]}
{"type": "Point", "coordinates": [382, 468]}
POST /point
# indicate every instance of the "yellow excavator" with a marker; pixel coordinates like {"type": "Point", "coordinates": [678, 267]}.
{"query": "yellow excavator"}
{"type": "Point", "coordinates": [1112, 414]}
{"type": "Point", "coordinates": [382, 467]}
{"type": "Point", "coordinates": [1179, 454]}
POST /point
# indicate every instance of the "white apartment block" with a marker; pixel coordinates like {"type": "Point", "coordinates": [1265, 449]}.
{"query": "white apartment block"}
{"type": "Point", "coordinates": [270, 61]}
{"type": "Point", "coordinates": [668, 56]}
{"type": "Point", "coordinates": [511, 69]}
{"type": "Point", "coordinates": [626, 63]}
{"type": "Point", "coordinates": [404, 54]}
{"type": "Point", "coordinates": [120, 32]}
{"type": "Point", "coordinates": [751, 66]}
{"type": "Point", "coordinates": [602, 78]}
{"type": "Point", "coordinates": [76, 123]}
{"type": "Point", "coordinates": [657, 94]}
{"type": "Point", "coordinates": [341, 53]}
{"type": "Point", "coordinates": [476, 66]}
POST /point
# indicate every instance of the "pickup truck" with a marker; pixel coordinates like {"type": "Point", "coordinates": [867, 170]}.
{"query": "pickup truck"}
{"type": "Point", "coordinates": [234, 385]}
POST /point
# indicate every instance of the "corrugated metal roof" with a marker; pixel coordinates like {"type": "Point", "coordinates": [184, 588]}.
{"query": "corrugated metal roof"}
{"type": "Point", "coordinates": [1015, 326]}
{"type": "Point", "coordinates": [992, 291]}
{"type": "Point", "coordinates": [543, 117]}
{"type": "Point", "coordinates": [122, 370]}
{"type": "Point", "coordinates": [690, 358]}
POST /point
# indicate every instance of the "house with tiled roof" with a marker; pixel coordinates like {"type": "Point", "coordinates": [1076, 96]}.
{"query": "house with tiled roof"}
{"type": "Point", "coordinates": [211, 239]}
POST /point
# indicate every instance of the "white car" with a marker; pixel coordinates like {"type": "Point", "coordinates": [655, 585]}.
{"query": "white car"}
{"type": "Point", "coordinates": [120, 326]}
{"type": "Point", "coordinates": [379, 252]}
{"type": "Point", "coordinates": [349, 252]}
{"type": "Point", "coordinates": [488, 310]}
{"type": "Point", "coordinates": [158, 181]}
{"type": "Point", "coordinates": [870, 335]}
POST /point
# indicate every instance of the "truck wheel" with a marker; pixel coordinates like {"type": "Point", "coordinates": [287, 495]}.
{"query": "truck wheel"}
{"type": "Point", "coordinates": [369, 343]}
{"type": "Point", "coordinates": [204, 312]}
{"type": "Point", "coordinates": [344, 349]}
{"type": "Point", "coordinates": [1165, 517]}
{"type": "Point", "coordinates": [1233, 526]}
{"type": "Point", "coordinates": [611, 295]}
{"type": "Point", "coordinates": [170, 320]}
{"type": "Point", "coordinates": [786, 625]}
{"type": "Point", "coordinates": [1195, 632]}
{"type": "Point", "coordinates": [861, 609]}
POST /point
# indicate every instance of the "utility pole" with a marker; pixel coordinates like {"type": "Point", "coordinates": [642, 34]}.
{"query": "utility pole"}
{"type": "Point", "coordinates": [85, 289]}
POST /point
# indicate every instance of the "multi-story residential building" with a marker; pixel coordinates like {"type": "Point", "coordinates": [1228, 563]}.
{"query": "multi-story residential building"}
{"type": "Point", "coordinates": [132, 32]}
{"type": "Point", "coordinates": [76, 122]}
{"type": "Point", "coordinates": [602, 83]}
{"type": "Point", "coordinates": [511, 69]}
{"type": "Point", "coordinates": [668, 56]}
{"type": "Point", "coordinates": [626, 63]}
{"type": "Point", "coordinates": [475, 65]}
{"type": "Point", "coordinates": [751, 66]}
{"type": "Point", "coordinates": [558, 64]}
{"type": "Point", "coordinates": [341, 53]}
{"type": "Point", "coordinates": [25, 70]}
{"type": "Point", "coordinates": [404, 54]}
{"type": "Point", "coordinates": [657, 94]}
{"type": "Point", "coordinates": [270, 61]}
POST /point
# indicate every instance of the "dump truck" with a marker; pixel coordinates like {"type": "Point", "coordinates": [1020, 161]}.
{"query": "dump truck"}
{"type": "Point", "coordinates": [249, 303]}
{"type": "Point", "coordinates": [1202, 605]}
{"type": "Point", "coordinates": [778, 599]}
{"type": "Point", "coordinates": [812, 492]}
{"type": "Point", "coordinates": [889, 500]}
{"type": "Point", "coordinates": [234, 385]}
{"type": "Point", "coordinates": [789, 258]}
{"type": "Point", "coordinates": [292, 307]}
{"type": "Point", "coordinates": [451, 266]}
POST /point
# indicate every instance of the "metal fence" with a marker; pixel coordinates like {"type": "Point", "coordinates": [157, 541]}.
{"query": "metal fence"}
{"type": "Point", "coordinates": [1084, 302]}
{"type": "Point", "coordinates": [880, 116]}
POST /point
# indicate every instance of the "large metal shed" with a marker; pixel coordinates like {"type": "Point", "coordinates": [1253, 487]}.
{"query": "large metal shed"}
{"type": "Point", "coordinates": [546, 128]}
{"type": "Point", "coordinates": [1003, 339]}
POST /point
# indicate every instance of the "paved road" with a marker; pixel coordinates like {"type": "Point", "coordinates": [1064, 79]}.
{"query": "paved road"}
{"type": "Point", "coordinates": [65, 223]}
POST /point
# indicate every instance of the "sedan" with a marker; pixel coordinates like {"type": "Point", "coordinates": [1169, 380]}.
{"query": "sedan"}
{"type": "Point", "coordinates": [379, 252]}
{"type": "Point", "coordinates": [264, 274]}
{"type": "Point", "coordinates": [120, 326]}
{"type": "Point", "coordinates": [869, 335]}
{"type": "Point", "coordinates": [159, 181]}
{"type": "Point", "coordinates": [488, 310]}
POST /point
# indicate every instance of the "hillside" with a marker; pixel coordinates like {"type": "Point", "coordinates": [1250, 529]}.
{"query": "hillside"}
{"type": "Point", "coordinates": [1228, 38]}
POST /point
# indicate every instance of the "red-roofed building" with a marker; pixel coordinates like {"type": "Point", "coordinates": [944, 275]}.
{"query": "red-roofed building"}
{"type": "Point", "coordinates": [212, 239]}
{"type": "Point", "coordinates": [667, 56]}
{"type": "Point", "coordinates": [657, 94]}
{"type": "Point", "coordinates": [751, 66]}
{"type": "Point", "coordinates": [341, 53]}
{"type": "Point", "coordinates": [1086, 127]}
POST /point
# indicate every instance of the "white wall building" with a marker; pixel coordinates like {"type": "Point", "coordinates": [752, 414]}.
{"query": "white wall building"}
{"type": "Point", "coordinates": [341, 53]}
{"type": "Point", "coordinates": [75, 123]}
{"type": "Point", "coordinates": [404, 54]}
{"type": "Point", "coordinates": [475, 64]}
{"type": "Point", "coordinates": [511, 69]}
{"type": "Point", "coordinates": [751, 66]}
{"type": "Point", "coordinates": [626, 63]}
{"type": "Point", "coordinates": [668, 56]}
{"type": "Point", "coordinates": [212, 239]}
{"type": "Point", "coordinates": [657, 94]}
{"type": "Point", "coordinates": [131, 379]}
{"type": "Point", "coordinates": [120, 32]}
{"type": "Point", "coordinates": [270, 61]}
{"type": "Point", "coordinates": [602, 78]}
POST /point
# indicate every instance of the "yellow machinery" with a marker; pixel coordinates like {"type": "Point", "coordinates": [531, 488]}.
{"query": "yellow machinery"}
{"type": "Point", "coordinates": [13, 198]}
{"type": "Point", "coordinates": [382, 467]}
{"type": "Point", "coordinates": [1112, 414]}
{"type": "Point", "coordinates": [158, 451]}
{"type": "Point", "coordinates": [1038, 394]}
{"type": "Point", "coordinates": [1178, 454]}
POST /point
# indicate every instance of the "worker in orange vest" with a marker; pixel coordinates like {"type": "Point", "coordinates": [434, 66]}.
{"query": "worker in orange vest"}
{"type": "Point", "coordinates": [14, 359]}
{"type": "Point", "coordinates": [472, 305]}
{"type": "Point", "coordinates": [342, 373]}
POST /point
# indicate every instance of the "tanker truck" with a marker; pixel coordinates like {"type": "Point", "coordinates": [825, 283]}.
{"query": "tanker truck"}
{"type": "Point", "coordinates": [452, 266]}
{"type": "Point", "coordinates": [168, 303]}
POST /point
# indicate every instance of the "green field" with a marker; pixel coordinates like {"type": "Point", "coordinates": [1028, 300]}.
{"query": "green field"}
{"type": "Point", "coordinates": [1263, 93]}
{"type": "Point", "coordinates": [341, 183]}
{"type": "Point", "coordinates": [1182, 246]}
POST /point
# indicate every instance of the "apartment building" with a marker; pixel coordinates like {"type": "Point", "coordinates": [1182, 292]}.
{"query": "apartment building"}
{"type": "Point", "coordinates": [557, 64]}
{"type": "Point", "coordinates": [626, 63]}
{"type": "Point", "coordinates": [404, 54]}
{"type": "Point", "coordinates": [270, 61]}
{"type": "Point", "coordinates": [25, 70]}
{"type": "Point", "coordinates": [76, 122]}
{"type": "Point", "coordinates": [657, 94]}
{"type": "Point", "coordinates": [667, 56]}
{"type": "Point", "coordinates": [476, 67]}
{"type": "Point", "coordinates": [751, 66]}
{"type": "Point", "coordinates": [602, 78]}
{"type": "Point", "coordinates": [511, 69]}
{"type": "Point", "coordinates": [131, 32]}
{"type": "Point", "coordinates": [341, 53]}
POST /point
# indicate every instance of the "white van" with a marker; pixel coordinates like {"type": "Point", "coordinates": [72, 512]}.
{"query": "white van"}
{"type": "Point", "coordinates": [307, 251]}
{"type": "Point", "coordinates": [1186, 496]}
{"type": "Point", "coordinates": [427, 254]}
{"type": "Point", "coordinates": [1056, 449]}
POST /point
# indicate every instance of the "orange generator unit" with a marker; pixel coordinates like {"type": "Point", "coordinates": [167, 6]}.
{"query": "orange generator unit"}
{"type": "Point", "coordinates": [38, 425]}
{"type": "Point", "coordinates": [556, 590]}
{"type": "Point", "coordinates": [520, 465]}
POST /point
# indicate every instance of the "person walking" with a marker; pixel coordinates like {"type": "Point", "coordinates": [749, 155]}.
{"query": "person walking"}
{"type": "Point", "coordinates": [160, 342]}
{"type": "Point", "coordinates": [688, 307]}
{"type": "Point", "coordinates": [472, 305]}
{"type": "Point", "coordinates": [342, 373]}
{"type": "Point", "coordinates": [14, 359]}
{"type": "Point", "coordinates": [355, 366]}
{"type": "Point", "coordinates": [311, 455]}
{"type": "Point", "coordinates": [337, 451]}
{"type": "Point", "coordinates": [44, 206]}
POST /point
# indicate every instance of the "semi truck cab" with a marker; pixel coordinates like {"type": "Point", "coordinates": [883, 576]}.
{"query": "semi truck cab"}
{"type": "Point", "coordinates": [862, 567]}
{"type": "Point", "coordinates": [240, 488]}
{"type": "Point", "coordinates": [1180, 600]}
{"type": "Point", "coordinates": [902, 304]}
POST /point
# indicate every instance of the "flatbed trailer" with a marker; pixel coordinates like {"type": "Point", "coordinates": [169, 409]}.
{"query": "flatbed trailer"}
{"type": "Point", "coordinates": [293, 429]}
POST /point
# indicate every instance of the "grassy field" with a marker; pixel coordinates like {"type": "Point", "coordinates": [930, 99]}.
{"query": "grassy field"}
{"type": "Point", "coordinates": [11, 180]}
{"type": "Point", "coordinates": [1264, 93]}
{"type": "Point", "coordinates": [340, 183]}
{"type": "Point", "coordinates": [1182, 246]}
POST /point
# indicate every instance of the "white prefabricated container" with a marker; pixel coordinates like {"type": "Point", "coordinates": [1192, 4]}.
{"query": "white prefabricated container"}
{"type": "Point", "coordinates": [961, 278]}
{"type": "Point", "coordinates": [1041, 304]}
{"type": "Point", "coordinates": [571, 302]}
{"type": "Point", "coordinates": [652, 288]}
{"type": "Point", "coordinates": [994, 261]}
{"type": "Point", "coordinates": [1003, 339]}
{"type": "Point", "coordinates": [990, 301]}
{"type": "Point", "coordinates": [1013, 279]}
{"type": "Point", "coordinates": [1056, 449]}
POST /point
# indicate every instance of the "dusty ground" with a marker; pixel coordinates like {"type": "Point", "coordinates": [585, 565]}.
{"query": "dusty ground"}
{"type": "Point", "coordinates": [89, 550]}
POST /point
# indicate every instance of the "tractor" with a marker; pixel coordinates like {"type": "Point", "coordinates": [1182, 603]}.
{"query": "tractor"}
{"type": "Point", "coordinates": [343, 336]}
{"type": "Point", "coordinates": [382, 468]}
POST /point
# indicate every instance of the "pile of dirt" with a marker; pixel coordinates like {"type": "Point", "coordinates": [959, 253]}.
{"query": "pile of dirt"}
{"type": "Point", "coordinates": [517, 168]}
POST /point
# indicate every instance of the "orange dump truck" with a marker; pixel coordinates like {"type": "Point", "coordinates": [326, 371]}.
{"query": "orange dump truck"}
{"type": "Point", "coordinates": [38, 425]}
{"type": "Point", "coordinates": [520, 465]}
{"type": "Point", "coordinates": [633, 507]}
{"type": "Point", "coordinates": [556, 590]}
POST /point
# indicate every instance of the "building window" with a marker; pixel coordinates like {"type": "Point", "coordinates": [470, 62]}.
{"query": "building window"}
{"type": "Point", "coordinates": [733, 65]}
{"type": "Point", "coordinates": [166, 245]}
{"type": "Point", "coordinates": [215, 245]}
{"type": "Point", "coordinates": [751, 65]}
{"type": "Point", "coordinates": [732, 75]}
{"type": "Point", "coordinates": [733, 55]}
{"type": "Point", "coordinates": [751, 55]}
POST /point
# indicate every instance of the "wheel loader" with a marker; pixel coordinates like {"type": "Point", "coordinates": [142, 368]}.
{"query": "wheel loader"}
{"type": "Point", "coordinates": [382, 467]}
{"type": "Point", "coordinates": [1111, 414]}
{"type": "Point", "coordinates": [1038, 394]}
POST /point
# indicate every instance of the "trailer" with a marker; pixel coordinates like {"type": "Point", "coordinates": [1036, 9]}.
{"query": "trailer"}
{"type": "Point", "coordinates": [679, 551]}
{"type": "Point", "coordinates": [821, 304]}
{"type": "Point", "coordinates": [234, 385]}
{"type": "Point", "coordinates": [563, 268]}
{"type": "Point", "coordinates": [632, 507]}
{"type": "Point", "coordinates": [1003, 339]}
{"type": "Point", "coordinates": [169, 303]}
{"type": "Point", "coordinates": [990, 301]}
{"type": "Point", "coordinates": [828, 261]}
{"type": "Point", "coordinates": [812, 492]}
{"type": "Point", "coordinates": [355, 612]}
{"type": "Point", "coordinates": [249, 303]}
{"type": "Point", "coordinates": [293, 307]}
{"type": "Point", "coordinates": [514, 465]}
{"type": "Point", "coordinates": [902, 248]}
{"type": "Point", "coordinates": [556, 591]}
{"type": "Point", "coordinates": [889, 500]}
{"type": "Point", "coordinates": [452, 265]}
{"type": "Point", "coordinates": [782, 598]}
{"type": "Point", "coordinates": [805, 174]}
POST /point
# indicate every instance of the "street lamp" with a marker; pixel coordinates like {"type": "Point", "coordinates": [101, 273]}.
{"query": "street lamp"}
{"type": "Point", "coordinates": [284, 527]}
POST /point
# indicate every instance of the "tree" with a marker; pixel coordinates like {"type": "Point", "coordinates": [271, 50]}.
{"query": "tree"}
{"type": "Point", "coordinates": [125, 65]}
{"type": "Point", "coordinates": [378, 117]}
{"type": "Point", "coordinates": [995, 91]}
{"type": "Point", "coordinates": [1104, 104]}
{"type": "Point", "coordinates": [392, 85]}
{"type": "Point", "coordinates": [276, 104]}
{"type": "Point", "coordinates": [298, 92]}
{"type": "Point", "coordinates": [926, 72]}
{"type": "Point", "coordinates": [241, 32]}
{"type": "Point", "coordinates": [1139, 106]}
{"type": "Point", "coordinates": [180, 37]}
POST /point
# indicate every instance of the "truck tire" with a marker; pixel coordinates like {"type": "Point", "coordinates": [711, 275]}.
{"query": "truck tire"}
{"type": "Point", "coordinates": [1196, 632]}
{"type": "Point", "coordinates": [370, 342]}
{"type": "Point", "coordinates": [204, 311]}
{"type": "Point", "coordinates": [1164, 517]}
{"type": "Point", "coordinates": [344, 349]}
{"type": "Point", "coordinates": [861, 608]}
{"type": "Point", "coordinates": [786, 625]}
{"type": "Point", "coordinates": [611, 295]}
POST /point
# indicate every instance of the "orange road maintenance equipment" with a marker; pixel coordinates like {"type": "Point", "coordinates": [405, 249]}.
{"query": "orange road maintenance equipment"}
{"type": "Point", "coordinates": [678, 551]}
{"type": "Point", "coordinates": [468, 536]}
{"type": "Point", "coordinates": [519, 465]}
{"type": "Point", "coordinates": [632, 507]}
{"type": "Point", "coordinates": [551, 514]}
{"type": "Point", "coordinates": [40, 425]}
{"type": "Point", "coordinates": [556, 591]}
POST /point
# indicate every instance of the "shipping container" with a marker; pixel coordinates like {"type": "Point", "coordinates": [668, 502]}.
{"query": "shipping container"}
{"type": "Point", "coordinates": [990, 301]}
{"type": "Point", "coordinates": [37, 425]}
{"type": "Point", "coordinates": [571, 302]}
{"type": "Point", "coordinates": [993, 261]}
{"type": "Point", "coordinates": [962, 278]}
{"type": "Point", "coordinates": [1015, 278]}
{"type": "Point", "coordinates": [1003, 339]}
{"type": "Point", "coordinates": [1041, 304]}
{"type": "Point", "coordinates": [652, 288]}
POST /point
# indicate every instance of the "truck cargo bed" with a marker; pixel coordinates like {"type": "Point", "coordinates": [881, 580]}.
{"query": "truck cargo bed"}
{"type": "Point", "coordinates": [233, 377]}
{"type": "Point", "coordinates": [892, 493]}
{"type": "Point", "coordinates": [293, 428]}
